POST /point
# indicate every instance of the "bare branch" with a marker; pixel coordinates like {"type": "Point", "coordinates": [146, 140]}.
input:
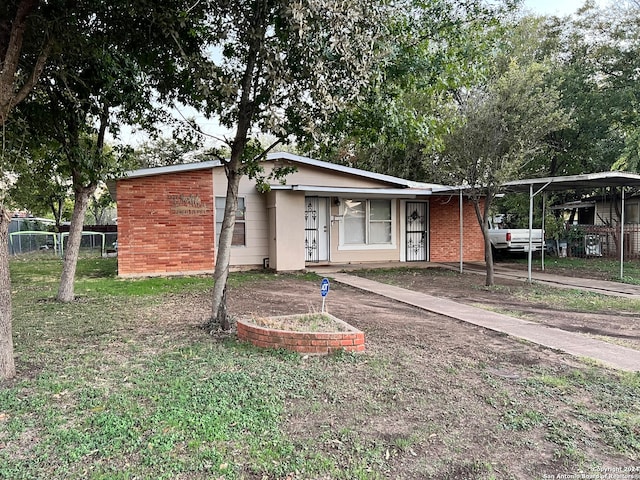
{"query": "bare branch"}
{"type": "Point", "coordinates": [196, 128]}
{"type": "Point", "coordinates": [264, 153]}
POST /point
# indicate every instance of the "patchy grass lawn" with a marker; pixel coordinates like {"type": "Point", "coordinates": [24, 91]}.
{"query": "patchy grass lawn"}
{"type": "Point", "coordinates": [594, 267]}
{"type": "Point", "coordinates": [123, 384]}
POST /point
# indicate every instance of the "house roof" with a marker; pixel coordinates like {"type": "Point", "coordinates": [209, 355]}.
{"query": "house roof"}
{"type": "Point", "coordinates": [397, 186]}
{"type": "Point", "coordinates": [570, 182]}
{"type": "Point", "coordinates": [184, 167]}
{"type": "Point", "coordinates": [370, 192]}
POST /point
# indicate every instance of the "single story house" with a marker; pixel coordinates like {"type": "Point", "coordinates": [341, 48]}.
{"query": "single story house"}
{"type": "Point", "coordinates": [169, 219]}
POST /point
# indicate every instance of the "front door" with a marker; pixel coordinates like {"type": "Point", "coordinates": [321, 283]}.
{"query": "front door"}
{"type": "Point", "coordinates": [417, 231]}
{"type": "Point", "coordinates": [316, 230]}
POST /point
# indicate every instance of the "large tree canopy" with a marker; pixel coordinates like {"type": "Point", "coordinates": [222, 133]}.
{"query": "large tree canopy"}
{"type": "Point", "coordinates": [437, 49]}
{"type": "Point", "coordinates": [124, 60]}
{"type": "Point", "coordinates": [502, 127]}
{"type": "Point", "coordinates": [76, 69]}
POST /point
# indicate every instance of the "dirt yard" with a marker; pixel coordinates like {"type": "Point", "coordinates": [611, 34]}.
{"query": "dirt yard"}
{"type": "Point", "coordinates": [510, 296]}
{"type": "Point", "coordinates": [470, 401]}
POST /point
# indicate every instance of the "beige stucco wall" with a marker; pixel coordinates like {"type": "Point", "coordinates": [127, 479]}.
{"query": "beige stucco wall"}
{"type": "Point", "coordinates": [275, 226]}
{"type": "Point", "coordinates": [287, 230]}
{"type": "Point", "coordinates": [275, 221]}
{"type": "Point", "coordinates": [309, 175]}
{"type": "Point", "coordinates": [256, 221]}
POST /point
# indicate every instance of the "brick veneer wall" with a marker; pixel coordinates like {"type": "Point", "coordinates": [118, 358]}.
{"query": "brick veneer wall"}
{"type": "Point", "coordinates": [301, 342]}
{"type": "Point", "coordinates": [444, 217]}
{"type": "Point", "coordinates": [166, 224]}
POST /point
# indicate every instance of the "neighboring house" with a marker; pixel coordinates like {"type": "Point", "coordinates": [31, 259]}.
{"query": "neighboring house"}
{"type": "Point", "coordinates": [599, 219]}
{"type": "Point", "coordinates": [169, 219]}
{"type": "Point", "coordinates": [607, 213]}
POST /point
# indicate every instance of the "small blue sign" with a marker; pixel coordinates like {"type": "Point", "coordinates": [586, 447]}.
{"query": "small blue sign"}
{"type": "Point", "coordinates": [324, 287]}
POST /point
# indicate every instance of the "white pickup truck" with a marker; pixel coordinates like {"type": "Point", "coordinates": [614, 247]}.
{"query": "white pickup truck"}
{"type": "Point", "coordinates": [514, 239]}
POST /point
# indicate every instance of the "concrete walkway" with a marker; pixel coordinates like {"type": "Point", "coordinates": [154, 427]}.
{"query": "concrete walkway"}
{"type": "Point", "coordinates": [614, 356]}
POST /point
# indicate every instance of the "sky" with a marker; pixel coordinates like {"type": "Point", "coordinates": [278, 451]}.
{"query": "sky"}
{"type": "Point", "coordinates": [555, 7]}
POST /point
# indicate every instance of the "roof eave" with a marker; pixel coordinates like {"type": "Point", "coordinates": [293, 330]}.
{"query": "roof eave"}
{"type": "Point", "coordinates": [185, 167]}
{"type": "Point", "coordinates": [348, 170]}
{"type": "Point", "coordinates": [355, 191]}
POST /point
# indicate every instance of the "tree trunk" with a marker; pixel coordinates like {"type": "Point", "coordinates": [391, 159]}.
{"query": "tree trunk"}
{"type": "Point", "coordinates": [7, 362]}
{"type": "Point", "coordinates": [65, 292]}
{"type": "Point", "coordinates": [483, 220]}
{"type": "Point", "coordinates": [220, 318]}
{"type": "Point", "coordinates": [488, 257]}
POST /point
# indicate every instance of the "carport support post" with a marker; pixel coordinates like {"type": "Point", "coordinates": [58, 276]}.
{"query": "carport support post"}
{"type": "Point", "coordinates": [544, 240]}
{"type": "Point", "coordinates": [531, 197]}
{"type": "Point", "coordinates": [461, 233]}
{"type": "Point", "coordinates": [530, 256]}
{"type": "Point", "coordinates": [622, 237]}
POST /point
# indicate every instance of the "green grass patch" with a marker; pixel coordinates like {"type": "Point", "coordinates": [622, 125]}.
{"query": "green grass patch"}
{"type": "Point", "coordinates": [105, 391]}
{"type": "Point", "coordinates": [98, 276]}
{"type": "Point", "coordinates": [578, 300]}
{"type": "Point", "coordinates": [179, 412]}
{"type": "Point", "coordinates": [605, 268]}
{"type": "Point", "coordinates": [116, 385]}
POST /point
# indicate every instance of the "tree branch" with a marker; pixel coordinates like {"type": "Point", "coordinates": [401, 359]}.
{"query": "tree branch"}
{"type": "Point", "coordinates": [264, 153]}
{"type": "Point", "coordinates": [35, 74]}
{"type": "Point", "coordinates": [11, 60]}
{"type": "Point", "coordinates": [196, 128]}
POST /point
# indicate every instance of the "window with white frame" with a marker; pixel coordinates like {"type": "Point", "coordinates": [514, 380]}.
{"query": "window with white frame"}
{"type": "Point", "coordinates": [367, 222]}
{"type": "Point", "coordinates": [239, 237]}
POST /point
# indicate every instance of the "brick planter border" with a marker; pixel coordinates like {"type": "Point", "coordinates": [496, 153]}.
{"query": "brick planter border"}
{"type": "Point", "coordinates": [318, 343]}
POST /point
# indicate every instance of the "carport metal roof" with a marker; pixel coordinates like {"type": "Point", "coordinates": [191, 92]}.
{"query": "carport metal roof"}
{"type": "Point", "coordinates": [572, 182]}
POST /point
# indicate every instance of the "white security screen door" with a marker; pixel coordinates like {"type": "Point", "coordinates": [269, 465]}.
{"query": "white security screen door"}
{"type": "Point", "coordinates": [316, 238]}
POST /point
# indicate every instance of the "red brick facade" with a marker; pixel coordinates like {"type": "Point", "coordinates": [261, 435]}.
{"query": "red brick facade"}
{"type": "Point", "coordinates": [166, 223]}
{"type": "Point", "coordinates": [444, 225]}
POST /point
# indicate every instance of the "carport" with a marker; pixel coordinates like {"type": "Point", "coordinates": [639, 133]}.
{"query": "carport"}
{"type": "Point", "coordinates": [535, 186]}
